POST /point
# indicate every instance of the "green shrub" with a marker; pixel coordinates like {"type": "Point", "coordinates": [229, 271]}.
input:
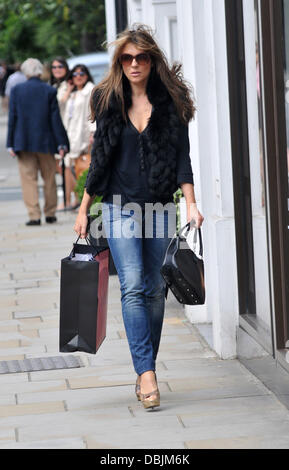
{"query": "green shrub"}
{"type": "Point", "coordinates": [79, 189]}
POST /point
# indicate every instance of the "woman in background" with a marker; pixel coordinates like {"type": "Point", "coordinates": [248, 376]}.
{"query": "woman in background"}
{"type": "Point", "coordinates": [76, 122]}
{"type": "Point", "coordinates": [59, 73]}
{"type": "Point", "coordinates": [59, 79]}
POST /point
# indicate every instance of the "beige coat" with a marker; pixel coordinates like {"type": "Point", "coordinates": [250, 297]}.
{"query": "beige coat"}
{"type": "Point", "coordinates": [61, 90]}
{"type": "Point", "coordinates": [77, 124]}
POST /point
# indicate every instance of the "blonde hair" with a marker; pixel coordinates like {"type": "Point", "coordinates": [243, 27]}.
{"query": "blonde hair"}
{"type": "Point", "coordinates": [142, 37]}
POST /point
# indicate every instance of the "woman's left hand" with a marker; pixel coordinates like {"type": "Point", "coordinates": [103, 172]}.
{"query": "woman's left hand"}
{"type": "Point", "coordinates": [194, 216]}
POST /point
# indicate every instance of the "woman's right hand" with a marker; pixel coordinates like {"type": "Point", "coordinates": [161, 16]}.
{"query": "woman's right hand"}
{"type": "Point", "coordinates": [70, 86]}
{"type": "Point", "coordinates": [67, 93]}
{"type": "Point", "coordinates": [81, 223]}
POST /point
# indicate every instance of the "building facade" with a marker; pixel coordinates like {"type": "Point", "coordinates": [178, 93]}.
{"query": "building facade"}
{"type": "Point", "coordinates": [236, 56]}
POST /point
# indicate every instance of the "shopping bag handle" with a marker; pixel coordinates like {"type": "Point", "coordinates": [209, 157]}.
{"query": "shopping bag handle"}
{"type": "Point", "coordinates": [86, 239]}
{"type": "Point", "coordinates": [73, 249]}
{"type": "Point", "coordinates": [186, 229]}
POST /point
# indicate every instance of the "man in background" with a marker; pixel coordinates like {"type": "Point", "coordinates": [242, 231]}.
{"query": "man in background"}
{"type": "Point", "coordinates": [35, 134]}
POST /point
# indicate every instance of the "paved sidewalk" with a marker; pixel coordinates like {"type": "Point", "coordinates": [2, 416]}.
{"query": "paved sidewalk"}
{"type": "Point", "coordinates": [205, 402]}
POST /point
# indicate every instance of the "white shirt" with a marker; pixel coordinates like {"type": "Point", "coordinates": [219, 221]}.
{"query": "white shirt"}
{"type": "Point", "coordinates": [14, 79]}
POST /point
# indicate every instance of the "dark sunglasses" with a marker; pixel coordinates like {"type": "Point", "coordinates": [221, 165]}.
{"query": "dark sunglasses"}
{"type": "Point", "coordinates": [81, 74]}
{"type": "Point", "coordinates": [57, 67]}
{"type": "Point", "coordinates": [141, 59]}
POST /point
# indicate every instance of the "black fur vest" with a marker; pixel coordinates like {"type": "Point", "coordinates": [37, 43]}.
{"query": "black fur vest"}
{"type": "Point", "coordinates": [162, 142]}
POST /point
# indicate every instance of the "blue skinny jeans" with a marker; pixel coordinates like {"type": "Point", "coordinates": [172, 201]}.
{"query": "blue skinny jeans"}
{"type": "Point", "coordinates": [138, 258]}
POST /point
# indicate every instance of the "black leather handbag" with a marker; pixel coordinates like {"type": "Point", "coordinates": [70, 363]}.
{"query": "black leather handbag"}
{"type": "Point", "coordinates": [183, 269]}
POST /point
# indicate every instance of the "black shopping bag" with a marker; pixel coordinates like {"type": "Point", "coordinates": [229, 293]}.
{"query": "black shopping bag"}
{"type": "Point", "coordinates": [83, 298]}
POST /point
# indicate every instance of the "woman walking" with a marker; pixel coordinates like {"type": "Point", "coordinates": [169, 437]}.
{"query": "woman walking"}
{"type": "Point", "coordinates": [140, 154]}
{"type": "Point", "coordinates": [79, 129]}
{"type": "Point", "coordinates": [59, 74]}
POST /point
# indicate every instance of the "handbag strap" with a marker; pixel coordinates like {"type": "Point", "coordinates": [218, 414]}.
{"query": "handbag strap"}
{"type": "Point", "coordinates": [186, 229]}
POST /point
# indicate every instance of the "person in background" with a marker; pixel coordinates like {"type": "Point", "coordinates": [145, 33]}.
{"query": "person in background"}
{"type": "Point", "coordinates": [76, 122]}
{"type": "Point", "coordinates": [5, 72]}
{"type": "Point", "coordinates": [45, 77]}
{"type": "Point", "coordinates": [59, 73]}
{"type": "Point", "coordinates": [2, 70]}
{"type": "Point", "coordinates": [14, 79]}
{"type": "Point", "coordinates": [35, 134]}
{"type": "Point", "coordinates": [3, 77]}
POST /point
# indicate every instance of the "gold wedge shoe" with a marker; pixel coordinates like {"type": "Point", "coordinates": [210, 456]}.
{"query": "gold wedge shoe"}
{"type": "Point", "coordinates": [137, 391]}
{"type": "Point", "coordinates": [150, 403]}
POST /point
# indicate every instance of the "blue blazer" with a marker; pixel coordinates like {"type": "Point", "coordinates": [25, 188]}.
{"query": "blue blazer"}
{"type": "Point", "coordinates": [34, 123]}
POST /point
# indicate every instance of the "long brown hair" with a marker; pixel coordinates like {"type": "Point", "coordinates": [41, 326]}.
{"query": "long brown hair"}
{"type": "Point", "coordinates": [142, 37]}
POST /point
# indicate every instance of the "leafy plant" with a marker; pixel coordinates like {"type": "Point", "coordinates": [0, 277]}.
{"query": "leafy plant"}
{"type": "Point", "coordinates": [79, 189]}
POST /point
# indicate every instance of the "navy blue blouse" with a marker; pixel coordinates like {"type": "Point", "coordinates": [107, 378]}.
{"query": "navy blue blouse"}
{"type": "Point", "coordinates": [129, 171]}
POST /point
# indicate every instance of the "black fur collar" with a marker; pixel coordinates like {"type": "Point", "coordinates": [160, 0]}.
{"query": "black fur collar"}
{"type": "Point", "coordinates": [162, 139]}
